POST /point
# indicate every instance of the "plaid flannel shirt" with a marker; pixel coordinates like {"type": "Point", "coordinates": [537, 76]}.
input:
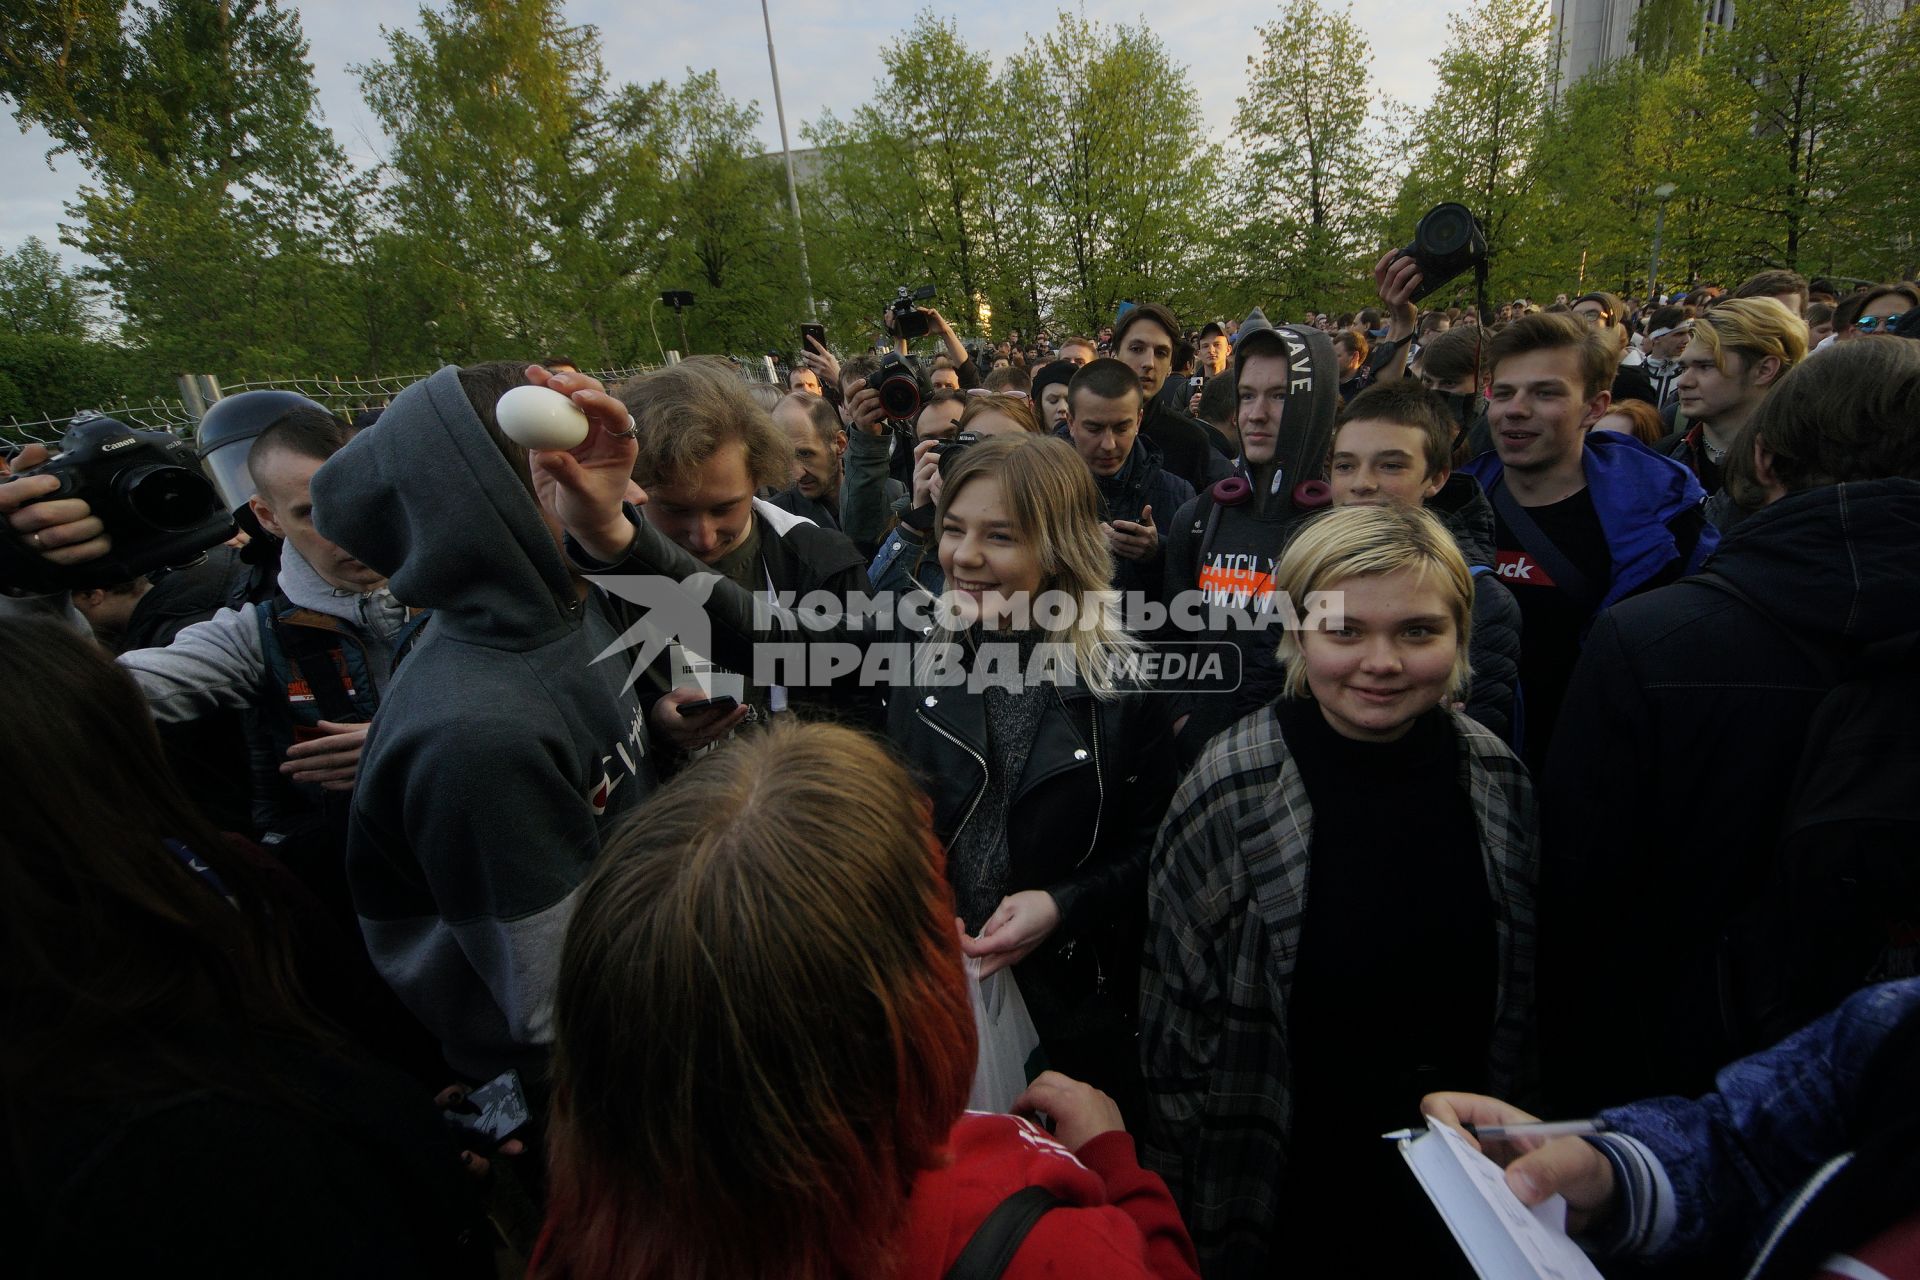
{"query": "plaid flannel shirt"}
{"type": "Point", "coordinates": [1226, 899]}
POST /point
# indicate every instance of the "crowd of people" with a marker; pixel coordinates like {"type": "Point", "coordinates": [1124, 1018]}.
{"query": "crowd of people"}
{"type": "Point", "coordinates": [621, 861]}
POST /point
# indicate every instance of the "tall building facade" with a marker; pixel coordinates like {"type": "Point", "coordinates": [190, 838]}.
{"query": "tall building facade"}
{"type": "Point", "coordinates": [1588, 34]}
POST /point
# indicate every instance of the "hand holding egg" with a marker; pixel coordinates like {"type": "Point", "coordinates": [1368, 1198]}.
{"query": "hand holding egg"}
{"type": "Point", "coordinates": [540, 418]}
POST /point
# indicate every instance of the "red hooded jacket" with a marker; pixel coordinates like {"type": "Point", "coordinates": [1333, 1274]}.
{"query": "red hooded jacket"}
{"type": "Point", "coordinates": [1116, 1221]}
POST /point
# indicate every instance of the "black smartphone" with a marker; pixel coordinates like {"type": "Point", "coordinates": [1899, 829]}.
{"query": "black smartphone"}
{"type": "Point", "coordinates": [494, 1110]}
{"type": "Point", "coordinates": [726, 702]}
{"type": "Point", "coordinates": [818, 332]}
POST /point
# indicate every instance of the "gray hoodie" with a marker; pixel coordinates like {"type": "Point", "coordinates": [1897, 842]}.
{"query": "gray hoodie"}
{"type": "Point", "coordinates": [501, 756]}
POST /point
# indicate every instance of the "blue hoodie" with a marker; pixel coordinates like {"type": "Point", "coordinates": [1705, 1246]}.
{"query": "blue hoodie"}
{"type": "Point", "coordinates": [1640, 497]}
{"type": "Point", "coordinates": [502, 754]}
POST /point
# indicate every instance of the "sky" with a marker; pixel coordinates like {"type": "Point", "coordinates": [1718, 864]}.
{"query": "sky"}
{"type": "Point", "coordinates": [829, 52]}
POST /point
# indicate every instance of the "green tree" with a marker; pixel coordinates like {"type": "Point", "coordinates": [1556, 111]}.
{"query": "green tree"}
{"type": "Point", "coordinates": [38, 295]}
{"type": "Point", "coordinates": [213, 185]}
{"type": "Point", "coordinates": [522, 195]}
{"type": "Point", "coordinates": [1308, 182]}
{"type": "Point", "coordinates": [1882, 224]}
{"type": "Point", "coordinates": [1478, 140]}
{"type": "Point", "coordinates": [1130, 173]}
{"type": "Point", "coordinates": [1788, 77]}
{"type": "Point", "coordinates": [730, 234]}
{"type": "Point", "coordinates": [1667, 30]}
{"type": "Point", "coordinates": [912, 191]}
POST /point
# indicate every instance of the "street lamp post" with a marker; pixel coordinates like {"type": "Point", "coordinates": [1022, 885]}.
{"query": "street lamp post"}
{"type": "Point", "coordinates": [1663, 193]}
{"type": "Point", "coordinates": [793, 188]}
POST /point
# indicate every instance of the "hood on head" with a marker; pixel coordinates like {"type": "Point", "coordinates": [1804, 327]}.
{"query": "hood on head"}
{"type": "Point", "coordinates": [1256, 320]}
{"type": "Point", "coordinates": [426, 497]}
{"type": "Point", "coordinates": [1313, 397]}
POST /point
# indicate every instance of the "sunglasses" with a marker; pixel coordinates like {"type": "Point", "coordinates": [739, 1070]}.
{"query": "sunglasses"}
{"type": "Point", "coordinates": [982, 391]}
{"type": "Point", "coordinates": [1876, 324]}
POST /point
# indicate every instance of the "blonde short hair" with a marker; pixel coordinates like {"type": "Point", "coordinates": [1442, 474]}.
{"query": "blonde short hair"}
{"type": "Point", "coordinates": [1753, 329]}
{"type": "Point", "coordinates": [1372, 542]}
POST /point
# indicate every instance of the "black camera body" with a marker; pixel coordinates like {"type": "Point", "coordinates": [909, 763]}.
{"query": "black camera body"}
{"type": "Point", "coordinates": [1448, 242]}
{"type": "Point", "coordinates": [901, 391]}
{"type": "Point", "coordinates": [948, 450]}
{"type": "Point", "coordinates": [908, 320]}
{"type": "Point", "coordinates": [146, 487]}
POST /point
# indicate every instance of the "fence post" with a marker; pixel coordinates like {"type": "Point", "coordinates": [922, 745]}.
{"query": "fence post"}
{"type": "Point", "coordinates": [190, 395]}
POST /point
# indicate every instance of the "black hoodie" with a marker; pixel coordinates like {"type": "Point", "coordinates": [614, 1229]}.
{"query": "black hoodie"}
{"type": "Point", "coordinates": [503, 752]}
{"type": "Point", "coordinates": [1662, 800]}
{"type": "Point", "coordinates": [1228, 550]}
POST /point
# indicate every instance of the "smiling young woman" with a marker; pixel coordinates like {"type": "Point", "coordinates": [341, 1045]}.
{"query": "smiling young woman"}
{"type": "Point", "coordinates": [1332, 861]}
{"type": "Point", "coordinates": [1048, 765]}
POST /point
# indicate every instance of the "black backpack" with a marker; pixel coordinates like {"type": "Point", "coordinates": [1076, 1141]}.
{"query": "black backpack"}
{"type": "Point", "coordinates": [1842, 909]}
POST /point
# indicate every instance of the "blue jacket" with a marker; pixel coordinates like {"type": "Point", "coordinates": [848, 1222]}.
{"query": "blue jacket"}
{"type": "Point", "coordinates": [1650, 508]}
{"type": "Point", "coordinates": [1749, 1168]}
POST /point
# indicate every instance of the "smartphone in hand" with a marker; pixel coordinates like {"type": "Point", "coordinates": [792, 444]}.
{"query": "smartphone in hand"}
{"type": "Point", "coordinates": [493, 1111]}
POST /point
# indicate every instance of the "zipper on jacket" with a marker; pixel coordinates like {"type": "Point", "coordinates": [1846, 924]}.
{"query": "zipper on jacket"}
{"type": "Point", "coordinates": [978, 759]}
{"type": "Point", "coordinates": [1814, 1186]}
{"type": "Point", "coordinates": [1100, 793]}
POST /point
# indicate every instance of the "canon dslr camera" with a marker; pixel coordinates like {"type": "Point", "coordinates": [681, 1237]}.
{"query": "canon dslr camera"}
{"type": "Point", "coordinates": [1448, 241]}
{"type": "Point", "coordinates": [159, 508]}
{"type": "Point", "coordinates": [901, 390]}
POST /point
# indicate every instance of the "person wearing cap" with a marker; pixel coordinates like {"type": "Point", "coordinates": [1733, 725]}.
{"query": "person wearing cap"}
{"type": "Point", "coordinates": [1214, 349]}
{"type": "Point", "coordinates": [1050, 392]}
{"type": "Point", "coordinates": [1666, 338]}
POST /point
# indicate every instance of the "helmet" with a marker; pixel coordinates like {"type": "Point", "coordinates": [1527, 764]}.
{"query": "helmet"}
{"type": "Point", "coordinates": [226, 434]}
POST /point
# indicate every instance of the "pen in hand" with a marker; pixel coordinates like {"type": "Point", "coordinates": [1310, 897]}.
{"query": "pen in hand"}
{"type": "Point", "coordinates": [1491, 1132]}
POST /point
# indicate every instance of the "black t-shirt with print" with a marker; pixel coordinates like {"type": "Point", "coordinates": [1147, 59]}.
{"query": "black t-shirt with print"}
{"type": "Point", "coordinates": [1552, 619]}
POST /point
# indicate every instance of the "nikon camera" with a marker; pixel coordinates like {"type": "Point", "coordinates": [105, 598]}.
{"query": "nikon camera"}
{"type": "Point", "coordinates": [159, 508]}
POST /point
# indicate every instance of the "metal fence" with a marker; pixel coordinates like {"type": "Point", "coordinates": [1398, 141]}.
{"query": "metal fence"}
{"type": "Point", "coordinates": [345, 396]}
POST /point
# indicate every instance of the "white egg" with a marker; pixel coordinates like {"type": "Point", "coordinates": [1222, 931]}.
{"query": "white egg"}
{"type": "Point", "coordinates": [537, 418]}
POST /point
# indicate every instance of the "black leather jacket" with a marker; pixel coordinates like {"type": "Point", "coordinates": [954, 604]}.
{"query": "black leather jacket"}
{"type": "Point", "coordinates": [1083, 817]}
{"type": "Point", "coordinates": [1087, 807]}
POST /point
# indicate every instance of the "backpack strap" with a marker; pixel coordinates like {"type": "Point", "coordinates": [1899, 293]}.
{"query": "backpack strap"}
{"type": "Point", "coordinates": [1566, 575]}
{"type": "Point", "coordinates": [988, 1254]}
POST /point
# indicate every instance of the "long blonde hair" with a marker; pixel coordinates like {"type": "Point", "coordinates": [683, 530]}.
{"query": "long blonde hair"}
{"type": "Point", "coordinates": [1053, 499]}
